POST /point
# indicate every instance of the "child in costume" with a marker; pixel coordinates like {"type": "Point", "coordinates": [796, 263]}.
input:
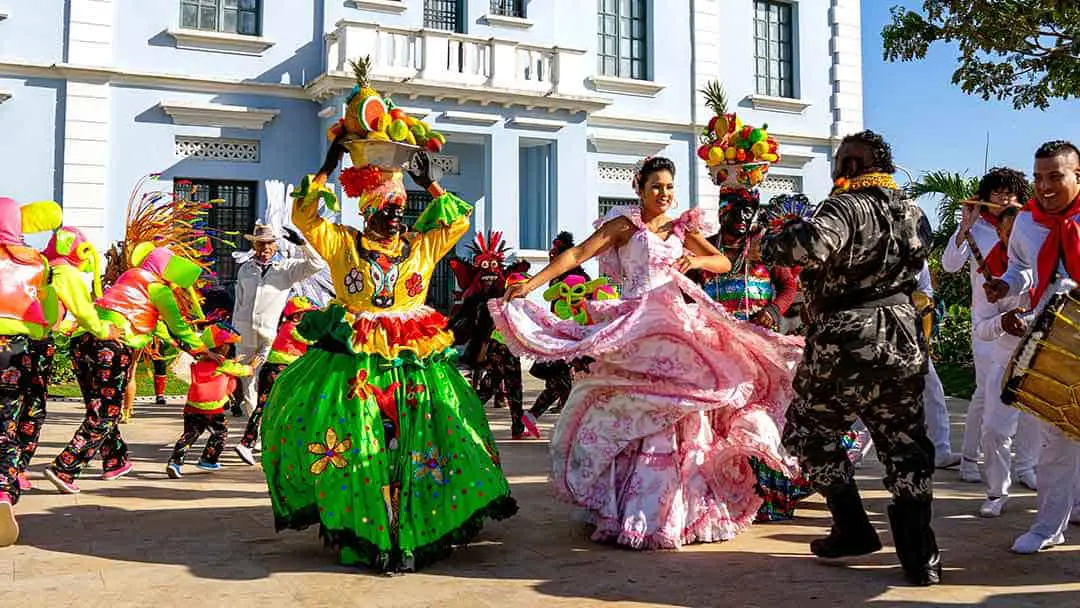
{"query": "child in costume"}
{"type": "Point", "coordinates": [495, 372]}
{"type": "Point", "coordinates": [373, 434]}
{"type": "Point", "coordinates": [134, 304]}
{"type": "Point", "coordinates": [23, 280]}
{"type": "Point", "coordinates": [288, 346]}
{"type": "Point", "coordinates": [213, 380]}
{"type": "Point", "coordinates": [70, 255]}
{"type": "Point", "coordinates": [655, 442]}
{"type": "Point", "coordinates": [558, 376]}
{"type": "Point", "coordinates": [752, 290]}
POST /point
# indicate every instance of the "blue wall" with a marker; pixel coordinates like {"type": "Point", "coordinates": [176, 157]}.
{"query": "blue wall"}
{"type": "Point", "coordinates": [141, 43]}
{"type": "Point", "coordinates": [143, 141]}
{"type": "Point", "coordinates": [30, 159]}
{"type": "Point", "coordinates": [34, 31]}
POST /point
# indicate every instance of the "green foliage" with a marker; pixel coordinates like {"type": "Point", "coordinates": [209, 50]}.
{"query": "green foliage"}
{"type": "Point", "coordinates": [951, 190]}
{"type": "Point", "coordinates": [953, 343]}
{"type": "Point", "coordinates": [1023, 50]}
{"type": "Point", "coordinates": [63, 370]}
{"type": "Point", "coordinates": [957, 380]}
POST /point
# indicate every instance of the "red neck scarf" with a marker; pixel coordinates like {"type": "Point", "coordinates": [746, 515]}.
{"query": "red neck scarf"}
{"type": "Point", "coordinates": [1061, 245]}
{"type": "Point", "coordinates": [989, 218]}
{"type": "Point", "coordinates": [997, 261]}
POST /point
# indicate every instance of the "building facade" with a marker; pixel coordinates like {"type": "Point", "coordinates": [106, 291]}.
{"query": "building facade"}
{"type": "Point", "coordinates": [547, 104]}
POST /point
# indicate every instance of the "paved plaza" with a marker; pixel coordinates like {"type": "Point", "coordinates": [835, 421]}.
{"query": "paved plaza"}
{"type": "Point", "coordinates": [208, 540]}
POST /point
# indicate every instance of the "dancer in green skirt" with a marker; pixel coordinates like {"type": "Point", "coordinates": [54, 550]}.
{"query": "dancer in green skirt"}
{"type": "Point", "coordinates": [373, 433]}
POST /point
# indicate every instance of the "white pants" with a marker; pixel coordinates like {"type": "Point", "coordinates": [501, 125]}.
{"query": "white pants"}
{"type": "Point", "coordinates": [251, 343]}
{"type": "Point", "coordinates": [1000, 423]}
{"type": "Point", "coordinates": [936, 413]}
{"type": "Point", "coordinates": [1059, 482]}
{"type": "Point", "coordinates": [973, 422]}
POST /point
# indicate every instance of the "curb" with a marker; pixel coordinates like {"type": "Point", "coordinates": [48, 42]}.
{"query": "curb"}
{"type": "Point", "coordinates": [137, 399]}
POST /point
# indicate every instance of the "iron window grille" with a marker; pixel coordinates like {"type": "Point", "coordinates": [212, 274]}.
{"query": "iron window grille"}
{"type": "Point", "coordinates": [444, 15]}
{"type": "Point", "coordinates": [234, 212]}
{"type": "Point", "coordinates": [508, 8]}
{"type": "Point", "coordinates": [609, 203]}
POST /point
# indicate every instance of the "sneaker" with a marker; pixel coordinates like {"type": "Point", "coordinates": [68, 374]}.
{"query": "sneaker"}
{"type": "Point", "coordinates": [969, 471]}
{"type": "Point", "coordinates": [124, 469]}
{"type": "Point", "coordinates": [173, 470]}
{"type": "Point", "coordinates": [9, 528]}
{"type": "Point", "coordinates": [65, 487]}
{"type": "Point", "coordinates": [1030, 542]}
{"type": "Point", "coordinates": [530, 424]}
{"type": "Point", "coordinates": [1028, 480]}
{"type": "Point", "coordinates": [946, 461]}
{"type": "Point", "coordinates": [208, 466]}
{"type": "Point", "coordinates": [992, 507]}
{"type": "Point", "coordinates": [160, 401]}
{"type": "Point", "coordinates": [244, 452]}
{"type": "Point", "coordinates": [24, 482]}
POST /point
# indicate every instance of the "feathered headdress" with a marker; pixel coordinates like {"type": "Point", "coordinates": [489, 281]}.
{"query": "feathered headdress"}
{"type": "Point", "coordinates": [491, 248]}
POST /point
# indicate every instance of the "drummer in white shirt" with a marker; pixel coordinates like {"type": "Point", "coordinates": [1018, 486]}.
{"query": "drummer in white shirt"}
{"type": "Point", "coordinates": [1044, 254]}
{"type": "Point", "coordinates": [999, 189]}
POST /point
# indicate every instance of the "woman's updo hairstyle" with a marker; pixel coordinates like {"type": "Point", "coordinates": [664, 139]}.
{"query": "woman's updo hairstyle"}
{"type": "Point", "coordinates": [649, 166]}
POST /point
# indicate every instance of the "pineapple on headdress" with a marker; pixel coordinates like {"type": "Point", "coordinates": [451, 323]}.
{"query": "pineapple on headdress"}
{"type": "Point", "coordinates": [738, 155]}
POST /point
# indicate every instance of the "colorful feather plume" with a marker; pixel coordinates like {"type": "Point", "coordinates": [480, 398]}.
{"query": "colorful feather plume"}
{"type": "Point", "coordinates": [787, 208]}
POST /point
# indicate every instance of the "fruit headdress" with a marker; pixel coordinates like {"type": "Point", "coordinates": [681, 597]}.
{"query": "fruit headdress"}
{"type": "Point", "coordinates": [380, 139]}
{"type": "Point", "coordinates": [738, 155]}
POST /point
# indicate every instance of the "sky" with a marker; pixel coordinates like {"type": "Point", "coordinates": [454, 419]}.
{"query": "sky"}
{"type": "Point", "coordinates": [933, 125]}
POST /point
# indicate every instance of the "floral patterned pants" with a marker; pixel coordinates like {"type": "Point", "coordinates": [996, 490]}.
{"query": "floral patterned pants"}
{"type": "Point", "coordinates": [194, 426]}
{"type": "Point", "coordinates": [15, 372]}
{"type": "Point", "coordinates": [500, 377]}
{"type": "Point", "coordinates": [267, 375]}
{"type": "Point", "coordinates": [102, 369]}
{"type": "Point", "coordinates": [33, 413]}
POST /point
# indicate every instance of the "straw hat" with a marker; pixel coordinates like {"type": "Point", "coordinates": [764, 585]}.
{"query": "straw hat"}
{"type": "Point", "coordinates": [263, 234]}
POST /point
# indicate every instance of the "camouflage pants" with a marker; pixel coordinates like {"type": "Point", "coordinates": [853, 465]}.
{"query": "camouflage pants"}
{"type": "Point", "coordinates": [892, 411]}
{"type": "Point", "coordinates": [499, 376]}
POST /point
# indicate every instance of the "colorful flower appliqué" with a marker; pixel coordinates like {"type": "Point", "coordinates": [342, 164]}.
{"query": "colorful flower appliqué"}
{"type": "Point", "coordinates": [358, 385]}
{"type": "Point", "coordinates": [332, 452]}
{"type": "Point", "coordinates": [414, 285]}
{"type": "Point", "coordinates": [431, 464]}
{"type": "Point", "coordinates": [354, 281]}
{"type": "Point", "coordinates": [413, 392]}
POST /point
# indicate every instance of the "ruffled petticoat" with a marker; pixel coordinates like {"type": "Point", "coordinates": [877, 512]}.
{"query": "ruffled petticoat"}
{"type": "Point", "coordinates": [656, 442]}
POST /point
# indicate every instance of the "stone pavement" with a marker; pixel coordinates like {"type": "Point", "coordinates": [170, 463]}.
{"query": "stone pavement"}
{"type": "Point", "coordinates": [208, 540]}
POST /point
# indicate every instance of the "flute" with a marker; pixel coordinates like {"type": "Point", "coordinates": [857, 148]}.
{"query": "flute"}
{"type": "Point", "coordinates": [979, 259]}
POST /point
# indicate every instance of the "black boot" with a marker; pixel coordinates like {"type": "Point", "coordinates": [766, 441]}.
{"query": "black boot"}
{"type": "Point", "coordinates": [851, 532]}
{"type": "Point", "coordinates": [915, 543]}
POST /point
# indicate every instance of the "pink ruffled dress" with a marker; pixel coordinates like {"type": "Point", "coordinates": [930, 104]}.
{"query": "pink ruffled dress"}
{"type": "Point", "coordinates": [655, 443]}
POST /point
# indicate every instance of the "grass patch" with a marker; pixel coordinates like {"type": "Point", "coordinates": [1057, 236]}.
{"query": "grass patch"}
{"type": "Point", "coordinates": [144, 387]}
{"type": "Point", "coordinates": [958, 380]}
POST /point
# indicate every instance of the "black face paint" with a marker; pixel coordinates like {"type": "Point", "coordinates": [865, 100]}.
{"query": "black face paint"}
{"type": "Point", "coordinates": [388, 221]}
{"type": "Point", "coordinates": [739, 219]}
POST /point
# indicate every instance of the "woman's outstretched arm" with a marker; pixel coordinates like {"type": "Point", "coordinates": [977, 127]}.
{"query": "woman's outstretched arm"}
{"type": "Point", "coordinates": [706, 256]}
{"type": "Point", "coordinates": [611, 234]}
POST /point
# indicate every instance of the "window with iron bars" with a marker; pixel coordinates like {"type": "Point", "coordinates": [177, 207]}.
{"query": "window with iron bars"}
{"type": "Point", "coordinates": [508, 8]}
{"type": "Point", "coordinates": [234, 212]}
{"type": "Point", "coordinates": [444, 15]}
{"type": "Point", "coordinates": [227, 16]}
{"type": "Point", "coordinates": [441, 286]}
{"type": "Point", "coordinates": [608, 203]}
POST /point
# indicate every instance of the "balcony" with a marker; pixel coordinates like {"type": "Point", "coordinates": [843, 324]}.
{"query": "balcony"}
{"type": "Point", "coordinates": [445, 65]}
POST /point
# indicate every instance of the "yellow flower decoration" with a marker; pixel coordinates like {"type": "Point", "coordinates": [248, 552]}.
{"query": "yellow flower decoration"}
{"type": "Point", "coordinates": [332, 452]}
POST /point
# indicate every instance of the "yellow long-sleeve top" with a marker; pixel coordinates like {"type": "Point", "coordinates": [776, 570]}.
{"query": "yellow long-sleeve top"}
{"type": "Point", "coordinates": [381, 287]}
{"type": "Point", "coordinates": [67, 292]}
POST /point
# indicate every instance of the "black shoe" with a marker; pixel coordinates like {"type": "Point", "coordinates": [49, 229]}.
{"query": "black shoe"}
{"type": "Point", "coordinates": [851, 534]}
{"type": "Point", "coordinates": [237, 411]}
{"type": "Point", "coordinates": [915, 543]}
{"type": "Point", "coordinates": [160, 401]}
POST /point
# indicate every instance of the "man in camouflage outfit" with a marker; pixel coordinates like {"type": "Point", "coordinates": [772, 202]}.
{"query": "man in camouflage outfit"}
{"type": "Point", "coordinates": [865, 356]}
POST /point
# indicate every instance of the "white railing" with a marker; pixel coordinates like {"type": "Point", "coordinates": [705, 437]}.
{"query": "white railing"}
{"type": "Point", "coordinates": [458, 59]}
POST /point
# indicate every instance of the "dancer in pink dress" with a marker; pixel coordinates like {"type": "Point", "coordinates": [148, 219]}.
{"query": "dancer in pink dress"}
{"type": "Point", "coordinates": [655, 443]}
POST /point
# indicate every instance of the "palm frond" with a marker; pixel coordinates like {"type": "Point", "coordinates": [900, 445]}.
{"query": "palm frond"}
{"type": "Point", "coordinates": [951, 190]}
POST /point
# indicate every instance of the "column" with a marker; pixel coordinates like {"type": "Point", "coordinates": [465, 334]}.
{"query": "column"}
{"type": "Point", "coordinates": [846, 71]}
{"type": "Point", "coordinates": [85, 192]}
{"type": "Point", "coordinates": [707, 39]}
